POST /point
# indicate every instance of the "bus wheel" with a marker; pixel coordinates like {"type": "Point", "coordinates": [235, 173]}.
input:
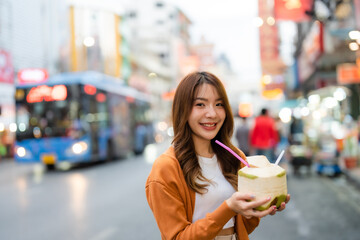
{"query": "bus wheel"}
{"type": "Point", "coordinates": [50, 167]}
{"type": "Point", "coordinates": [110, 152]}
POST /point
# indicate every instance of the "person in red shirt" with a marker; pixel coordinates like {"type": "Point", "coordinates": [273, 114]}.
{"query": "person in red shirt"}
{"type": "Point", "coordinates": [263, 136]}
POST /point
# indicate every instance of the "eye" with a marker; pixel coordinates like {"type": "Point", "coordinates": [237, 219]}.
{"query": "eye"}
{"type": "Point", "coordinates": [199, 104]}
{"type": "Point", "coordinates": [220, 104]}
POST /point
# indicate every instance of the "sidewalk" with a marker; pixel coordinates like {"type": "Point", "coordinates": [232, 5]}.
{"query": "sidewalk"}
{"type": "Point", "coordinates": [353, 175]}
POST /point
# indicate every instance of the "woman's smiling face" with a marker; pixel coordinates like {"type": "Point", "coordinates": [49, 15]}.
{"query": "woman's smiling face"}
{"type": "Point", "coordinates": [207, 114]}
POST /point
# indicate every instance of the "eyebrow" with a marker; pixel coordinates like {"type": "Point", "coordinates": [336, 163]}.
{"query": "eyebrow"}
{"type": "Point", "coordinates": [205, 99]}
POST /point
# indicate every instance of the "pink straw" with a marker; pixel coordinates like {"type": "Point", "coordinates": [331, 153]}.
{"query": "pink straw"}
{"type": "Point", "coordinates": [232, 152]}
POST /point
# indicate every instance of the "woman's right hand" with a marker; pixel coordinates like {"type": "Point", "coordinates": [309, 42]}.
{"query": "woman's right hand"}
{"type": "Point", "coordinates": [245, 205]}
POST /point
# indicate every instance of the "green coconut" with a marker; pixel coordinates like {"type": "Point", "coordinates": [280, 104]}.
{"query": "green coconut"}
{"type": "Point", "coordinates": [263, 179]}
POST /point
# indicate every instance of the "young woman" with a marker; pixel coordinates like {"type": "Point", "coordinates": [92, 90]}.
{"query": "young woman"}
{"type": "Point", "coordinates": [191, 188]}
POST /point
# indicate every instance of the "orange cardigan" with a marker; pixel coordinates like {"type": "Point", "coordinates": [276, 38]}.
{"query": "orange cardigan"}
{"type": "Point", "coordinates": [172, 203]}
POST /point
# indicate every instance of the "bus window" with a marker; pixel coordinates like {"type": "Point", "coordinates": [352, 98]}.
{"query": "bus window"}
{"type": "Point", "coordinates": [45, 118]}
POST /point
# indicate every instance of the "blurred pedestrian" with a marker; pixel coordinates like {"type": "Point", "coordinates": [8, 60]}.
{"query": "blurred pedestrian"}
{"type": "Point", "coordinates": [296, 131]}
{"type": "Point", "coordinates": [243, 136]}
{"type": "Point", "coordinates": [191, 188]}
{"type": "Point", "coordinates": [140, 138]}
{"type": "Point", "coordinates": [264, 136]}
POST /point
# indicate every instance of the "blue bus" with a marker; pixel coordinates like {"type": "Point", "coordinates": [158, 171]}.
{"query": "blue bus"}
{"type": "Point", "coordinates": [80, 117]}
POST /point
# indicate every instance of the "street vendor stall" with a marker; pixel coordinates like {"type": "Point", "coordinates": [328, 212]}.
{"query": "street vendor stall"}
{"type": "Point", "coordinates": [327, 128]}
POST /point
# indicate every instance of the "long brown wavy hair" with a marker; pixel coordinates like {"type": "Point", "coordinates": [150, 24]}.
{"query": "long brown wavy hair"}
{"type": "Point", "coordinates": [183, 142]}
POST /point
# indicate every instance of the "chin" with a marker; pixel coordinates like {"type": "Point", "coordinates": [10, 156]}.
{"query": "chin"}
{"type": "Point", "coordinates": [209, 138]}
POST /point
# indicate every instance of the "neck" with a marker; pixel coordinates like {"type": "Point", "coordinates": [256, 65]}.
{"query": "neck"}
{"type": "Point", "coordinates": [203, 148]}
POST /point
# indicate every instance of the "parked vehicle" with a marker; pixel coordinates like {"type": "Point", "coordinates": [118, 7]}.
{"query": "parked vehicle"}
{"type": "Point", "coordinates": [327, 161]}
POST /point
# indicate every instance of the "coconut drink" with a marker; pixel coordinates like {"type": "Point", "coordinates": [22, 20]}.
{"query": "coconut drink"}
{"type": "Point", "coordinates": [263, 179]}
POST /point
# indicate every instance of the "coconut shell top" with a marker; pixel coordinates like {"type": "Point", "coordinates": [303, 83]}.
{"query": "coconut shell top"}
{"type": "Point", "coordinates": [261, 167]}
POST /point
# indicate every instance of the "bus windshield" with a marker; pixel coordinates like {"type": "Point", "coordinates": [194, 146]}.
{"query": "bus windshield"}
{"type": "Point", "coordinates": [45, 112]}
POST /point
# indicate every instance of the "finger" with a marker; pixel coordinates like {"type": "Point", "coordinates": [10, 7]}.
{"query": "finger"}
{"type": "Point", "coordinates": [247, 196]}
{"type": "Point", "coordinates": [266, 212]}
{"type": "Point", "coordinates": [258, 203]}
{"type": "Point", "coordinates": [248, 216]}
{"type": "Point", "coordinates": [250, 213]}
{"type": "Point", "coordinates": [282, 206]}
{"type": "Point", "coordinates": [273, 212]}
{"type": "Point", "coordinates": [287, 198]}
{"type": "Point", "coordinates": [260, 214]}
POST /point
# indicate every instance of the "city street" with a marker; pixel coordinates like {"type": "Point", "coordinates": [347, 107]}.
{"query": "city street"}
{"type": "Point", "coordinates": [107, 201]}
{"type": "Point", "coordinates": [83, 81]}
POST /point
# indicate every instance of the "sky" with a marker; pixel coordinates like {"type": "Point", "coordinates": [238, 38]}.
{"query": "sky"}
{"type": "Point", "coordinates": [229, 25]}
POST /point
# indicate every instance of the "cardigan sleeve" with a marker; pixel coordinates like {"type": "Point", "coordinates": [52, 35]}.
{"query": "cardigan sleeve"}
{"type": "Point", "coordinates": [250, 224]}
{"type": "Point", "coordinates": [171, 215]}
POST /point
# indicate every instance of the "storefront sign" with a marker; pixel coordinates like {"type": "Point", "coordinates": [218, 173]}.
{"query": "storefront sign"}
{"type": "Point", "coordinates": [312, 48]}
{"type": "Point", "coordinates": [292, 10]}
{"type": "Point", "coordinates": [32, 75]}
{"type": "Point", "coordinates": [269, 42]}
{"type": "Point", "coordinates": [348, 73]}
{"type": "Point", "coordinates": [272, 86]}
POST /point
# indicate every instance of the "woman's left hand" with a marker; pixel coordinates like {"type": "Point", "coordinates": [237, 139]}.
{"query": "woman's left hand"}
{"type": "Point", "coordinates": [282, 205]}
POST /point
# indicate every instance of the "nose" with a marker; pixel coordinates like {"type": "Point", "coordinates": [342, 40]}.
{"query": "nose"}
{"type": "Point", "coordinates": [211, 112]}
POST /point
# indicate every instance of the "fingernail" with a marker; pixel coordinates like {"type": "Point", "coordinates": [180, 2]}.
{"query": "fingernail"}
{"type": "Point", "coordinates": [252, 196]}
{"type": "Point", "coordinates": [268, 198]}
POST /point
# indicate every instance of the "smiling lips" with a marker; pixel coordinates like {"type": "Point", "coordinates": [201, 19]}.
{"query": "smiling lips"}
{"type": "Point", "coordinates": [208, 126]}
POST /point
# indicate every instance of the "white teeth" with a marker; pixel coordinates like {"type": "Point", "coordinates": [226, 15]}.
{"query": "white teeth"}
{"type": "Point", "coordinates": [208, 125]}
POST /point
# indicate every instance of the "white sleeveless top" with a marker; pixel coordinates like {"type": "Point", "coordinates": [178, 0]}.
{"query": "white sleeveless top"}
{"type": "Point", "coordinates": [218, 191]}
